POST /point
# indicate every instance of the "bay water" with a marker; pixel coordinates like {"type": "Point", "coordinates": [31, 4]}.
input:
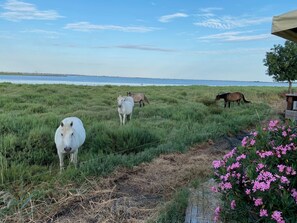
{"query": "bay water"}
{"type": "Point", "coordinates": [129, 81]}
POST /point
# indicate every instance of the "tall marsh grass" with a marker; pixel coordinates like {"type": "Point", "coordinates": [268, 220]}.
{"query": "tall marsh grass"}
{"type": "Point", "coordinates": [175, 119]}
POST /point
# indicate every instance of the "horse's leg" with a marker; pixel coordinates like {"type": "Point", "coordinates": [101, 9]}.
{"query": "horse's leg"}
{"type": "Point", "coordinates": [61, 158]}
{"type": "Point", "coordinates": [121, 120]}
{"type": "Point", "coordinates": [140, 103]}
{"type": "Point", "coordinates": [73, 158]}
{"type": "Point", "coordinates": [229, 104]}
{"type": "Point", "coordinates": [124, 119]}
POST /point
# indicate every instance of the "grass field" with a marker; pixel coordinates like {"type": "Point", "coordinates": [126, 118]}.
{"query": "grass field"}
{"type": "Point", "coordinates": [175, 119]}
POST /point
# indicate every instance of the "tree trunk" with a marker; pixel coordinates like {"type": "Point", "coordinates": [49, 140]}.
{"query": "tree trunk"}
{"type": "Point", "coordinates": [290, 87]}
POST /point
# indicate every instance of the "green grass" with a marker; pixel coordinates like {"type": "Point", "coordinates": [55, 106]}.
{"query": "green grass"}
{"type": "Point", "coordinates": [174, 211]}
{"type": "Point", "coordinates": [175, 119]}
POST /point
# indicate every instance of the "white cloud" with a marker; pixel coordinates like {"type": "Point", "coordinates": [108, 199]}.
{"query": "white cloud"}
{"type": "Point", "coordinates": [124, 46]}
{"type": "Point", "coordinates": [249, 37]}
{"type": "Point", "coordinates": [168, 18]}
{"type": "Point", "coordinates": [235, 36]}
{"type": "Point", "coordinates": [232, 51]}
{"type": "Point", "coordinates": [229, 22]}
{"type": "Point", "coordinates": [86, 26]}
{"type": "Point", "coordinates": [145, 47]}
{"type": "Point", "coordinates": [207, 12]}
{"type": "Point", "coordinates": [18, 10]}
{"type": "Point", "coordinates": [208, 19]}
{"type": "Point", "coordinates": [210, 9]}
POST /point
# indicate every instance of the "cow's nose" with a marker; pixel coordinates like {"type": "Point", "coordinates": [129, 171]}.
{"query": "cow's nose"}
{"type": "Point", "coordinates": [67, 149]}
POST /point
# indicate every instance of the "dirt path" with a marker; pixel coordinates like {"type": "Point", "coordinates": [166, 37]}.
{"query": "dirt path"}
{"type": "Point", "coordinates": [136, 195]}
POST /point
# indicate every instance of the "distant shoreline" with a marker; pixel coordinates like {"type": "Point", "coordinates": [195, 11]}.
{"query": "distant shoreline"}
{"type": "Point", "coordinates": [84, 75]}
{"type": "Point", "coordinates": [35, 74]}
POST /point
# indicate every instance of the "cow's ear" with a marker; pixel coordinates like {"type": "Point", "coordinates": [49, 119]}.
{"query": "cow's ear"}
{"type": "Point", "coordinates": [61, 124]}
{"type": "Point", "coordinates": [71, 124]}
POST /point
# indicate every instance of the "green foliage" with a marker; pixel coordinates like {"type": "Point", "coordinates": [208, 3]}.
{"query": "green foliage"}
{"type": "Point", "coordinates": [174, 211]}
{"type": "Point", "coordinates": [281, 62]}
{"type": "Point", "coordinates": [40, 147]}
{"type": "Point", "coordinates": [123, 140]}
{"type": "Point", "coordinates": [257, 180]}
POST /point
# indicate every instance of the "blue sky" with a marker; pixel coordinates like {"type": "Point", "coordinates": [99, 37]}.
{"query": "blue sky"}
{"type": "Point", "coordinates": [185, 39]}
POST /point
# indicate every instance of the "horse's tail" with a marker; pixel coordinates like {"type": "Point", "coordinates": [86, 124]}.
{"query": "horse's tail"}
{"type": "Point", "coordinates": [145, 99]}
{"type": "Point", "coordinates": [244, 99]}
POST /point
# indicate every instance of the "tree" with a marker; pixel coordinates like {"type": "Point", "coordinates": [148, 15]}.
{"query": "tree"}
{"type": "Point", "coordinates": [282, 63]}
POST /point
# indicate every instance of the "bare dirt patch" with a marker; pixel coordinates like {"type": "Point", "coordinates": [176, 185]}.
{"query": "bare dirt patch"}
{"type": "Point", "coordinates": [137, 194]}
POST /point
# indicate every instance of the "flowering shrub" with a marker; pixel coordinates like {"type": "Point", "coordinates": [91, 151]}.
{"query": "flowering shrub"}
{"type": "Point", "coordinates": [257, 180]}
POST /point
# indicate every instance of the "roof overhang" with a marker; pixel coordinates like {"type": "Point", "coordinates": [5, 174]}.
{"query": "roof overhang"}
{"type": "Point", "coordinates": [285, 25]}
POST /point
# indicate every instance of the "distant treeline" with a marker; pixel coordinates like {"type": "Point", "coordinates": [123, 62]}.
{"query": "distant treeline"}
{"type": "Point", "coordinates": [33, 74]}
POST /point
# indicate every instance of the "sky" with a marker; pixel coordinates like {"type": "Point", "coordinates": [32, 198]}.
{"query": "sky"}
{"type": "Point", "coordinates": [183, 39]}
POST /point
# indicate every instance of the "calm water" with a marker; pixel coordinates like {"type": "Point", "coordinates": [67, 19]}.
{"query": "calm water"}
{"type": "Point", "coordinates": [104, 80]}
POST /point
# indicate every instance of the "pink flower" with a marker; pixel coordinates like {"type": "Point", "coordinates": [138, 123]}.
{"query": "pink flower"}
{"type": "Point", "coordinates": [233, 204]}
{"type": "Point", "coordinates": [263, 181]}
{"type": "Point", "coordinates": [217, 163]}
{"type": "Point", "coordinates": [277, 215]}
{"type": "Point", "coordinates": [258, 201]}
{"type": "Point", "coordinates": [290, 171]}
{"type": "Point", "coordinates": [272, 125]}
{"type": "Point", "coordinates": [265, 154]}
{"type": "Point", "coordinates": [225, 177]}
{"type": "Point", "coordinates": [244, 141]}
{"type": "Point", "coordinates": [294, 194]}
{"type": "Point", "coordinates": [214, 189]}
{"type": "Point", "coordinates": [217, 214]}
{"type": "Point", "coordinates": [263, 213]}
{"type": "Point", "coordinates": [242, 156]}
{"type": "Point", "coordinates": [281, 168]}
{"type": "Point", "coordinates": [284, 134]}
{"type": "Point", "coordinates": [248, 191]}
{"type": "Point", "coordinates": [284, 180]}
{"type": "Point", "coordinates": [227, 185]}
{"type": "Point", "coordinates": [233, 166]}
{"type": "Point", "coordinates": [252, 142]}
{"type": "Point", "coordinates": [230, 154]}
{"type": "Point", "coordinates": [262, 186]}
{"type": "Point", "coordinates": [260, 166]}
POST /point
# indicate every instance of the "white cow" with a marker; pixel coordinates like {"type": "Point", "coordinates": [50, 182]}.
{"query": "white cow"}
{"type": "Point", "coordinates": [70, 135]}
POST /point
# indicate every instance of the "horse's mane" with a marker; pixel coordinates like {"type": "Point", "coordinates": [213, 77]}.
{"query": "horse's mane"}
{"type": "Point", "coordinates": [224, 94]}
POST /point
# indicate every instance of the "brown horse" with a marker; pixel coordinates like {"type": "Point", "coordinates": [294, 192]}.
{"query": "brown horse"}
{"type": "Point", "coordinates": [231, 97]}
{"type": "Point", "coordinates": [138, 98]}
